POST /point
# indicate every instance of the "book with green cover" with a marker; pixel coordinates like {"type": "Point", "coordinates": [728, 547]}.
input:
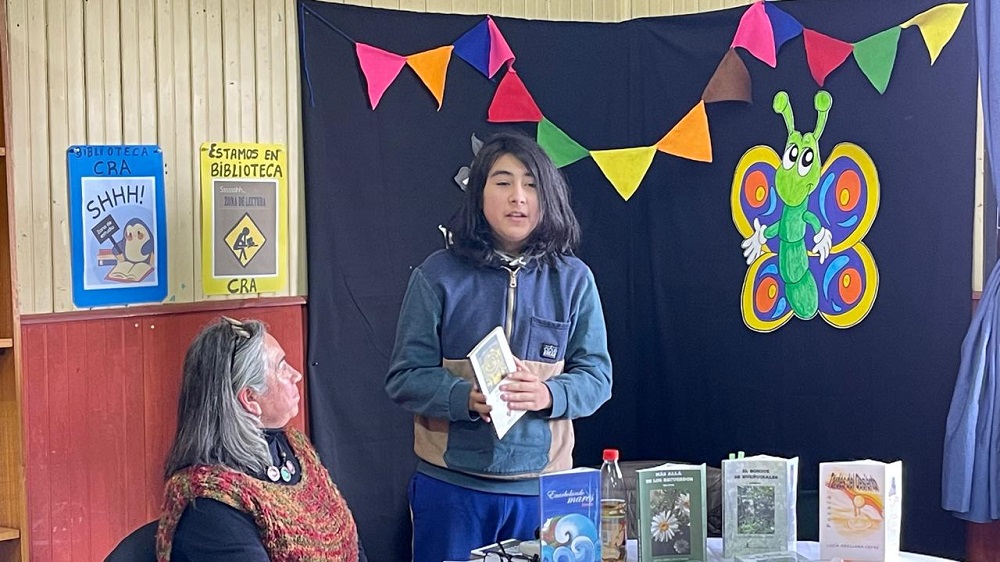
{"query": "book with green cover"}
{"type": "Point", "coordinates": [758, 504]}
{"type": "Point", "coordinates": [672, 517]}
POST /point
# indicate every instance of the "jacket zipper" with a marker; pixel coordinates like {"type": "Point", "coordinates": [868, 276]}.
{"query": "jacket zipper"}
{"type": "Point", "coordinates": [511, 299]}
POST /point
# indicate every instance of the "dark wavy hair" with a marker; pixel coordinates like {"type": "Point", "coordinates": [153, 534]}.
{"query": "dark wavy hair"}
{"type": "Point", "coordinates": [557, 233]}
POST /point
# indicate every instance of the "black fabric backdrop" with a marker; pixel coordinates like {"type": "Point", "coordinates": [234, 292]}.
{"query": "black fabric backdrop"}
{"type": "Point", "coordinates": [691, 382]}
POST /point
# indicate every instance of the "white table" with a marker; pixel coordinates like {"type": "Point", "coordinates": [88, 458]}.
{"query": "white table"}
{"type": "Point", "coordinates": [808, 549]}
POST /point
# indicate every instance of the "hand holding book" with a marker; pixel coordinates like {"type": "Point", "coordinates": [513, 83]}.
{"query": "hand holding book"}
{"type": "Point", "coordinates": [523, 390]}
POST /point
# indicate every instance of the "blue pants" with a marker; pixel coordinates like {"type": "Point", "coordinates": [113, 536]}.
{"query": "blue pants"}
{"type": "Point", "coordinates": [449, 521]}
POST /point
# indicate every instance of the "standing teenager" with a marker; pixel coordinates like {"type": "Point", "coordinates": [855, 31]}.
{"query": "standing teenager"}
{"type": "Point", "coordinates": [510, 264]}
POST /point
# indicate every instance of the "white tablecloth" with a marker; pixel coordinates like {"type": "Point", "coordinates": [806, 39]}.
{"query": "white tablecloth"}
{"type": "Point", "coordinates": [809, 549]}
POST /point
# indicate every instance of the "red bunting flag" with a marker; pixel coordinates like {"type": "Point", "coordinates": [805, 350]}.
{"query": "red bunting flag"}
{"type": "Point", "coordinates": [512, 102]}
{"type": "Point", "coordinates": [824, 53]}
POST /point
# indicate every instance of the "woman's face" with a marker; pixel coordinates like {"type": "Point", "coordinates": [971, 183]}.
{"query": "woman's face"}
{"type": "Point", "coordinates": [281, 401]}
{"type": "Point", "coordinates": [510, 203]}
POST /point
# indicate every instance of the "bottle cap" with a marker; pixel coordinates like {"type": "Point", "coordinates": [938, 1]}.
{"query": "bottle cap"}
{"type": "Point", "coordinates": [610, 454]}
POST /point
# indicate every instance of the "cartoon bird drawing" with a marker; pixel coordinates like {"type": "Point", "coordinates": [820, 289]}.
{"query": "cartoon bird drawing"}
{"type": "Point", "coordinates": [134, 253]}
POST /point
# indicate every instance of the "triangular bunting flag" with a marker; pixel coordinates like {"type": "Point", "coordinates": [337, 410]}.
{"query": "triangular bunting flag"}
{"type": "Point", "coordinates": [499, 49]}
{"type": "Point", "coordinates": [731, 81]}
{"type": "Point", "coordinates": [512, 103]}
{"type": "Point", "coordinates": [380, 69]}
{"type": "Point", "coordinates": [755, 34]}
{"type": "Point", "coordinates": [937, 25]}
{"type": "Point", "coordinates": [432, 68]}
{"type": "Point", "coordinates": [625, 167]}
{"type": "Point", "coordinates": [690, 137]}
{"type": "Point", "coordinates": [824, 54]}
{"type": "Point", "coordinates": [783, 25]}
{"type": "Point", "coordinates": [876, 56]}
{"type": "Point", "coordinates": [474, 47]}
{"type": "Point", "coordinates": [558, 145]}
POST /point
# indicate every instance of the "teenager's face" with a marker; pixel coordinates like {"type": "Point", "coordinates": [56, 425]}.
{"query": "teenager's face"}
{"type": "Point", "coordinates": [510, 203]}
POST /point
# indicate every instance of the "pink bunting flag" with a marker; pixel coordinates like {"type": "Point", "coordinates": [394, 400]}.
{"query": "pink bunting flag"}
{"type": "Point", "coordinates": [756, 35]}
{"type": "Point", "coordinates": [500, 52]}
{"type": "Point", "coordinates": [380, 69]}
{"type": "Point", "coordinates": [824, 53]}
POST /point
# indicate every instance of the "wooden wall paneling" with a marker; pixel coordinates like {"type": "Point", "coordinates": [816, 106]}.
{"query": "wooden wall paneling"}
{"type": "Point", "coordinates": [166, 137]}
{"type": "Point", "coordinates": [247, 82]}
{"type": "Point", "coordinates": [76, 133]}
{"type": "Point", "coordinates": [199, 128]}
{"type": "Point", "coordinates": [297, 266]}
{"type": "Point", "coordinates": [38, 441]}
{"type": "Point", "coordinates": [185, 218]}
{"type": "Point", "coordinates": [412, 5]}
{"type": "Point", "coordinates": [262, 70]}
{"type": "Point", "coordinates": [148, 73]}
{"type": "Point", "coordinates": [41, 217]}
{"type": "Point", "coordinates": [58, 110]}
{"type": "Point", "coordinates": [128, 16]}
{"type": "Point", "coordinates": [110, 60]}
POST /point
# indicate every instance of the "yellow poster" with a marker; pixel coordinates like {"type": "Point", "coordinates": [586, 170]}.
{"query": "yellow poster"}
{"type": "Point", "coordinates": [244, 202]}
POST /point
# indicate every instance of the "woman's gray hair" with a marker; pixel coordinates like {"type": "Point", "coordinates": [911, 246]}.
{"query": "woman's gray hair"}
{"type": "Point", "coordinates": [213, 428]}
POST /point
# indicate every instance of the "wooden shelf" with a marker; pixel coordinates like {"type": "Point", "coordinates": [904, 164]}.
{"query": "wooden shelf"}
{"type": "Point", "coordinates": [3, 151]}
{"type": "Point", "coordinates": [6, 343]}
{"type": "Point", "coordinates": [8, 534]}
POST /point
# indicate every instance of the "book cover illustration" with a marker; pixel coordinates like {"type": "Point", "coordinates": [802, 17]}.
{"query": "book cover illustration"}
{"type": "Point", "coordinates": [759, 494]}
{"type": "Point", "coordinates": [860, 509]}
{"type": "Point", "coordinates": [672, 517]}
{"type": "Point", "coordinates": [492, 360]}
{"type": "Point", "coordinates": [570, 514]}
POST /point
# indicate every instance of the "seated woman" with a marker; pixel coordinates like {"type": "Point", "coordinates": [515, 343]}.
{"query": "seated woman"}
{"type": "Point", "coordinates": [240, 485]}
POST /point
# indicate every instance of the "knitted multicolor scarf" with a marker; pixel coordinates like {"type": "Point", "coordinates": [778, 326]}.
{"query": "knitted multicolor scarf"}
{"type": "Point", "coordinates": [305, 521]}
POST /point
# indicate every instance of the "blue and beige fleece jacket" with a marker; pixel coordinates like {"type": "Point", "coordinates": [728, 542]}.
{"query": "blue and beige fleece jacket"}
{"type": "Point", "coordinates": [553, 319]}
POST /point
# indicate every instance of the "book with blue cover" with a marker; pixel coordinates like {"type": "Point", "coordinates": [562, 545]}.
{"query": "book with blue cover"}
{"type": "Point", "coordinates": [570, 513]}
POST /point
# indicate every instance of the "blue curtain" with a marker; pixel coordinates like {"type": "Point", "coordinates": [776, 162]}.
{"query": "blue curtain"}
{"type": "Point", "coordinates": [970, 479]}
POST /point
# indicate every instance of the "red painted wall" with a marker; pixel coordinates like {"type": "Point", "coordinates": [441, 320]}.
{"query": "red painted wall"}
{"type": "Point", "coordinates": [100, 396]}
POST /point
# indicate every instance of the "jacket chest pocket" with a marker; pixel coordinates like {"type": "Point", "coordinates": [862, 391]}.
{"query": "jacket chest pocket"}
{"type": "Point", "coordinates": [547, 340]}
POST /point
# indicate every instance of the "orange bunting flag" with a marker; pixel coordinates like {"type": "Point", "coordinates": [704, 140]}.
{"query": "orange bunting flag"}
{"type": "Point", "coordinates": [731, 81]}
{"type": "Point", "coordinates": [432, 68]}
{"type": "Point", "coordinates": [824, 53]}
{"type": "Point", "coordinates": [624, 167]}
{"type": "Point", "coordinates": [512, 103]}
{"type": "Point", "coordinates": [380, 69]}
{"type": "Point", "coordinates": [756, 35]}
{"type": "Point", "coordinates": [690, 137]}
{"type": "Point", "coordinates": [937, 25]}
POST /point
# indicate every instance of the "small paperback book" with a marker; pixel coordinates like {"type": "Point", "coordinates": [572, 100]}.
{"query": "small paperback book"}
{"type": "Point", "coordinates": [860, 508]}
{"type": "Point", "coordinates": [672, 517]}
{"type": "Point", "coordinates": [492, 360]}
{"type": "Point", "coordinates": [570, 513]}
{"type": "Point", "coordinates": [758, 503]}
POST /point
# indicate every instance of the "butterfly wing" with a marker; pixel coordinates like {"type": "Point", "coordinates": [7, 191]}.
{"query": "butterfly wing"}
{"type": "Point", "coordinates": [847, 283]}
{"type": "Point", "coordinates": [753, 195]}
{"type": "Point", "coordinates": [847, 198]}
{"type": "Point", "coordinates": [765, 307]}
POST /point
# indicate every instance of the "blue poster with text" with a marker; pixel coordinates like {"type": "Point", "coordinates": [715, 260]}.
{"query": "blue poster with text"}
{"type": "Point", "coordinates": [118, 231]}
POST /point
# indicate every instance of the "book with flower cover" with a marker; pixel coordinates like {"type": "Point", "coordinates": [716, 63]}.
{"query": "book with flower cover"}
{"type": "Point", "coordinates": [672, 517]}
{"type": "Point", "coordinates": [570, 512]}
{"type": "Point", "coordinates": [860, 509]}
{"type": "Point", "coordinates": [758, 505]}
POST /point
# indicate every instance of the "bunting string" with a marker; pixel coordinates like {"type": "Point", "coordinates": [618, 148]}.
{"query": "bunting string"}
{"type": "Point", "coordinates": [762, 31]}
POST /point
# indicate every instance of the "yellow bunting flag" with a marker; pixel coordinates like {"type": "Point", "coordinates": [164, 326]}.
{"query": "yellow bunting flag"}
{"type": "Point", "coordinates": [937, 25]}
{"type": "Point", "coordinates": [690, 137]}
{"type": "Point", "coordinates": [432, 68]}
{"type": "Point", "coordinates": [624, 167]}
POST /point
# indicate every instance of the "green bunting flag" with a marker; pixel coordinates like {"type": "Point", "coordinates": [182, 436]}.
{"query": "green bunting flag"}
{"type": "Point", "coordinates": [558, 145]}
{"type": "Point", "coordinates": [876, 56]}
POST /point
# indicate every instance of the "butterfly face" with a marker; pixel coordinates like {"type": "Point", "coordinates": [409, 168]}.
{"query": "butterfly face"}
{"type": "Point", "coordinates": [800, 166]}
